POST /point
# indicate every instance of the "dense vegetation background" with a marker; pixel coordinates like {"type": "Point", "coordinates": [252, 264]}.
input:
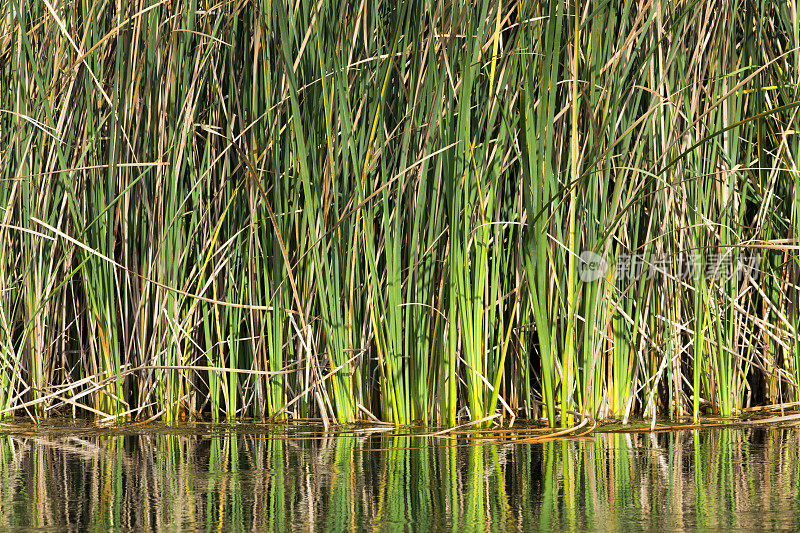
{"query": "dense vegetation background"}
{"type": "Point", "coordinates": [366, 209]}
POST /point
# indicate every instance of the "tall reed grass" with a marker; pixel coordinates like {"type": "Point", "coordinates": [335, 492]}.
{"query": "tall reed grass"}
{"type": "Point", "coordinates": [348, 210]}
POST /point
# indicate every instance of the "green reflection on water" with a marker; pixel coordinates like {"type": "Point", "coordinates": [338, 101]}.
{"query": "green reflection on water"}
{"type": "Point", "coordinates": [213, 478]}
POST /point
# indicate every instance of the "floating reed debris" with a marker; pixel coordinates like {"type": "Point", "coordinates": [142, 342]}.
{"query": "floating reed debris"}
{"type": "Point", "coordinates": [410, 212]}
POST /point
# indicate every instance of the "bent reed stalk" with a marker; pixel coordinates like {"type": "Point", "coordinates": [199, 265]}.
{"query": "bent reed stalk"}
{"type": "Point", "coordinates": [347, 210]}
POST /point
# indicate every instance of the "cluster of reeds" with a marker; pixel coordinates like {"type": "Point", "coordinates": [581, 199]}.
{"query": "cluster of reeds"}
{"type": "Point", "coordinates": [349, 210]}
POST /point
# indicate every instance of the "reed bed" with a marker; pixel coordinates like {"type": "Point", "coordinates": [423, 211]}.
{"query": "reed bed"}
{"type": "Point", "coordinates": [417, 212]}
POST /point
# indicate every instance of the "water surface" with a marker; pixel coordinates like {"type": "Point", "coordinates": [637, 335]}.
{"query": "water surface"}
{"type": "Point", "coordinates": [285, 478]}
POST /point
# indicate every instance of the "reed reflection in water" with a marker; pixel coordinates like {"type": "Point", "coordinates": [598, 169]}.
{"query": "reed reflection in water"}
{"type": "Point", "coordinates": [221, 479]}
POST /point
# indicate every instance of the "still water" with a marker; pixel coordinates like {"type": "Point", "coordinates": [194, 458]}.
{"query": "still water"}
{"type": "Point", "coordinates": [222, 478]}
